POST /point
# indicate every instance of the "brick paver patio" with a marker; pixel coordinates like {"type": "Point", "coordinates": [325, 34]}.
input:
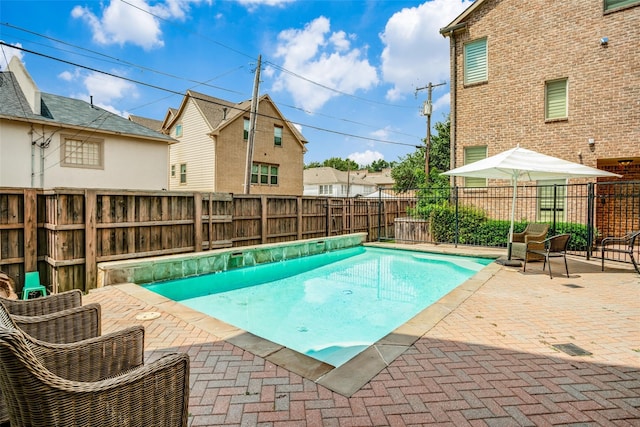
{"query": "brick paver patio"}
{"type": "Point", "coordinates": [490, 361]}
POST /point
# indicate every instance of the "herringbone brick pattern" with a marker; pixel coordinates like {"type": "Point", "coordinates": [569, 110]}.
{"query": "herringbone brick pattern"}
{"type": "Point", "coordinates": [489, 362]}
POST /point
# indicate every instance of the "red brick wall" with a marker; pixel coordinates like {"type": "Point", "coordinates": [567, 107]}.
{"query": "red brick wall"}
{"type": "Point", "coordinates": [530, 42]}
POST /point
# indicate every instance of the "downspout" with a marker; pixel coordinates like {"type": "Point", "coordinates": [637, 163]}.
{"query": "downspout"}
{"type": "Point", "coordinates": [450, 32]}
{"type": "Point", "coordinates": [452, 105]}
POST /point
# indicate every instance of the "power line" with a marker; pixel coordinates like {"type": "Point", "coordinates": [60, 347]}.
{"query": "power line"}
{"type": "Point", "coordinates": [195, 97]}
{"type": "Point", "coordinates": [198, 83]}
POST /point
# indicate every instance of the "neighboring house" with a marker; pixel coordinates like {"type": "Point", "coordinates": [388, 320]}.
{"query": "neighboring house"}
{"type": "Point", "coordinates": [152, 124]}
{"type": "Point", "coordinates": [558, 77]}
{"type": "Point", "coordinates": [330, 182]}
{"type": "Point", "coordinates": [380, 179]}
{"type": "Point", "coordinates": [213, 136]}
{"type": "Point", "coordinates": [51, 141]}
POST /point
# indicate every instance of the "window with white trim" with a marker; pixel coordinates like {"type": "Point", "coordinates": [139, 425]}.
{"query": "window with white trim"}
{"type": "Point", "coordinates": [178, 130]}
{"type": "Point", "coordinates": [245, 133]}
{"type": "Point", "coordinates": [473, 154]}
{"type": "Point", "coordinates": [82, 152]}
{"type": "Point", "coordinates": [475, 62]}
{"type": "Point", "coordinates": [264, 174]}
{"type": "Point", "coordinates": [555, 106]}
{"type": "Point", "coordinates": [325, 189]}
{"type": "Point", "coordinates": [277, 135]}
{"type": "Point", "coordinates": [183, 173]}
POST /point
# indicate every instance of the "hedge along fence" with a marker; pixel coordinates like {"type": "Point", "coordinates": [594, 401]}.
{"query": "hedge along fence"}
{"type": "Point", "coordinates": [64, 233]}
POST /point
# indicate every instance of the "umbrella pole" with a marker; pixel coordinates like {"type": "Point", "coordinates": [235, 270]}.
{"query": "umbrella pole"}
{"type": "Point", "coordinates": [513, 213]}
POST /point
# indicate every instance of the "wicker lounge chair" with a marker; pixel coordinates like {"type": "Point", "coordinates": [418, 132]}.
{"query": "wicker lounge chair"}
{"type": "Point", "coordinates": [534, 232]}
{"type": "Point", "coordinates": [555, 246]}
{"type": "Point", "coordinates": [87, 360]}
{"type": "Point", "coordinates": [149, 395]}
{"type": "Point", "coordinates": [621, 245]}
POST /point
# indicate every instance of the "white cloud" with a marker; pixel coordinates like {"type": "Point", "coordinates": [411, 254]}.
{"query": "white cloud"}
{"type": "Point", "coordinates": [105, 90]}
{"type": "Point", "coordinates": [137, 23]}
{"type": "Point", "coordinates": [6, 53]}
{"type": "Point", "coordinates": [316, 54]}
{"type": "Point", "coordinates": [415, 52]}
{"type": "Point", "coordinates": [365, 158]}
{"type": "Point", "coordinates": [253, 4]}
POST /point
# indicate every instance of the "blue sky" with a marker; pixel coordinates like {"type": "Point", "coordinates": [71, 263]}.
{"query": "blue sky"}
{"type": "Point", "coordinates": [345, 72]}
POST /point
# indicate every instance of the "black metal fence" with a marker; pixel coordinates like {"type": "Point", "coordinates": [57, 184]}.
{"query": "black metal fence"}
{"type": "Point", "coordinates": [481, 216]}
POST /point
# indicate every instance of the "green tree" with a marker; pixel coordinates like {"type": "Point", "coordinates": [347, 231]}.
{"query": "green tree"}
{"type": "Point", "coordinates": [336, 163]}
{"type": "Point", "coordinates": [409, 172]}
{"type": "Point", "coordinates": [378, 165]}
{"type": "Point", "coordinates": [313, 165]}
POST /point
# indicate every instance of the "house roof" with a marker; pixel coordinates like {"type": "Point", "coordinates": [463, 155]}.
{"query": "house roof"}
{"type": "Point", "coordinates": [152, 124]}
{"type": "Point", "coordinates": [327, 175]}
{"type": "Point", "coordinates": [219, 112]}
{"type": "Point", "coordinates": [67, 112]}
{"type": "Point", "coordinates": [459, 22]}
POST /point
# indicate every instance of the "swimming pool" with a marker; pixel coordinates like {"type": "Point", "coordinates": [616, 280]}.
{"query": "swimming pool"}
{"type": "Point", "coordinates": [330, 306]}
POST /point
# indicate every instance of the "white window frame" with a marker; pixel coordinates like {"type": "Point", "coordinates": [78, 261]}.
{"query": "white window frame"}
{"type": "Point", "coordinates": [325, 189]}
{"type": "Point", "coordinates": [245, 129]}
{"type": "Point", "coordinates": [265, 174]}
{"type": "Point", "coordinates": [81, 152]}
{"type": "Point", "coordinates": [178, 130]}
{"type": "Point", "coordinates": [277, 135]}
{"type": "Point", "coordinates": [183, 173]}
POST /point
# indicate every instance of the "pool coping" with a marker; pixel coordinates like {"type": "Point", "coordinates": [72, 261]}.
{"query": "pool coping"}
{"type": "Point", "coordinates": [355, 373]}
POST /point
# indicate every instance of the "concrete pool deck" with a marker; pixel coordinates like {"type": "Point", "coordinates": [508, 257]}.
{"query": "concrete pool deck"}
{"type": "Point", "coordinates": [484, 355]}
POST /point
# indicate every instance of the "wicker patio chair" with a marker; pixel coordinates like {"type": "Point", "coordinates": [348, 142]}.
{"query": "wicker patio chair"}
{"type": "Point", "coordinates": [44, 305]}
{"type": "Point", "coordinates": [89, 360]}
{"type": "Point", "coordinates": [70, 325]}
{"type": "Point", "coordinates": [149, 395]}
{"type": "Point", "coordinates": [555, 246]}
{"type": "Point", "coordinates": [533, 232]}
{"type": "Point", "coordinates": [621, 245]}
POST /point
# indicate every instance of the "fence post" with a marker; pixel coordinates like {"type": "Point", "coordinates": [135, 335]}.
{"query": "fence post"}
{"type": "Point", "coordinates": [197, 222]}
{"type": "Point", "coordinates": [590, 215]}
{"type": "Point", "coordinates": [90, 239]}
{"type": "Point", "coordinates": [30, 230]}
{"type": "Point", "coordinates": [455, 198]}
{"type": "Point", "coordinates": [299, 216]}
{"type": "Point", "coordinates": [263, 219]}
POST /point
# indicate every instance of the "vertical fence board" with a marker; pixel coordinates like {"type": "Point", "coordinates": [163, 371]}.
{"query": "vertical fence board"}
{"type": "Point", "coordinates": [90, 233]}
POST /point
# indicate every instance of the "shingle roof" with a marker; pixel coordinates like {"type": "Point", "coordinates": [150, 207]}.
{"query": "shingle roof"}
{"type": "Point", "coordinates": [63, 111]}
{"type": "Point", "coordinates": [327, 175]}
{"type": "Point", "coordinates": [152, 124]}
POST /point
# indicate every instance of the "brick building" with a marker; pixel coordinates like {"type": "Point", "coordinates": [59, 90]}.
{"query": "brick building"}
{"type": "Point", "coordinates": [558, 77]}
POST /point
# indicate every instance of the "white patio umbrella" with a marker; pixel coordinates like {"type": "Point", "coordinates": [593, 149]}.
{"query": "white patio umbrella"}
{"type": "Point", "coordinates": [520, 163]}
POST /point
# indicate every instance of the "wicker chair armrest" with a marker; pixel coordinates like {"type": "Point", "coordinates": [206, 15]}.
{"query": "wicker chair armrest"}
{"type": "Point", "coordinates": [44, 305]}
{"type": "Point", "coordinates": [71, 325]}
{"type": "Point", "coordinates": [519, 237]}
{"type": "Point", "coordinates": [96, 358]}
{"type": "Point", "coordinates": [151, 395]}
{"type": "Point", "coordinates": [535, 237]}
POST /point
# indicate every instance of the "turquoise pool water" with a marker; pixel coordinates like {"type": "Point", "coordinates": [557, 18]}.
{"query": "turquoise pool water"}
{"type": "Point", "coordinates": [330, 306]}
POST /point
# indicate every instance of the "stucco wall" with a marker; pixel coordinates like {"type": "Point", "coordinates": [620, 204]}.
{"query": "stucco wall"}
{"type": "Point", "coordinates": [127, 163]}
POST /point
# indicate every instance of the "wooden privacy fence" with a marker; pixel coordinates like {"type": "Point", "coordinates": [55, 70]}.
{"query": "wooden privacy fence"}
{"type": "Point", "coordinates": [64, 233]}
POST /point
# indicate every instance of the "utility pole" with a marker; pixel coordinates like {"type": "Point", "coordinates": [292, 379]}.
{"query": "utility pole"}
{"type": "Point", "coordinates": [253, 117]}
{"type": "Point", "coordinates": [427, 109]}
